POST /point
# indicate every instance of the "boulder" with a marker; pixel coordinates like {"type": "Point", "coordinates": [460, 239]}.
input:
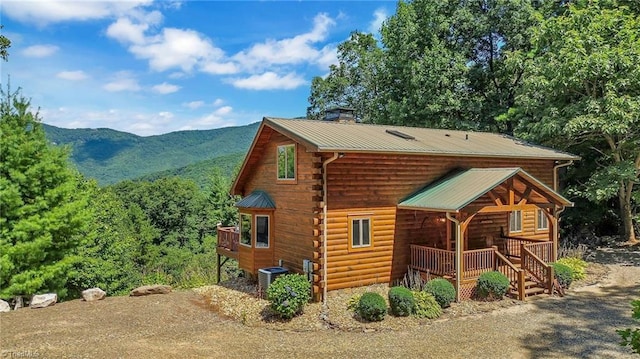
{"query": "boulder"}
{"type": "Point", "coordinates": [93, 294]}
{"type": "Point", "coordinates": [43, 300]}
{"type": "Point", "coordinates": [4, 306]}
{"type": "Point", "coordinates": [150, 289]}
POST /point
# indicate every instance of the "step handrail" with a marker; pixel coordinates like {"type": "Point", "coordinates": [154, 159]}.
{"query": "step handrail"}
{"type": "Point", "coordinates": [544, 276]}
{"type": "Point", "coordinates": [514, 273]}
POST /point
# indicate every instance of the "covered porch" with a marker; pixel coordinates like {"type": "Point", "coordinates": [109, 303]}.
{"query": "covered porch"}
{"type": "Point", "coordinates": [500, 219]}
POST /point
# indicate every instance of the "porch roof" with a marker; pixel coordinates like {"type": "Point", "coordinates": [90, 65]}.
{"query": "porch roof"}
{"type": "Point", "coordinates": [456, 191]}
{"type": "Point", "coordinates": [257, 199]}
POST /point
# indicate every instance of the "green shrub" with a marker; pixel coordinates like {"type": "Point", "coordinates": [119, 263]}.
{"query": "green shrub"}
{"type": "Point", "coordinates": [288, 294]}
{"type": "Point", "coordinates": [631, 337]}
{"type": "Point", "coordinates": [442, 290]}
{"type": "Point", "coordinates": [492, 285]}
{"type": "Point", "coordinates": [401, 301]}
{"type": "Point", "coordinates": [563, 274]}
{"type": "Point", "coordinates": [372, 307]}
{"type": "Point", "coordinates": [577, 265]}
{"type": "Point", "coordinates": [426, 305]}
{"type": "Point", "coordinates": [352, 304]}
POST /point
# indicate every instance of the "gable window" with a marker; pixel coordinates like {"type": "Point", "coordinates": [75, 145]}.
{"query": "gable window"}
{"type": "Point", "coordinates": [515, 221]}
{"type": "Point", "coordinates": [542, 222]}
{"type": "Point", "coordinates": [287, 162]}
{"type": "Point", "coordinates": [262, 231]}
{"type": "Point", "coordinates": [245, 229]}
{"type": "Point", "coordinates": [360, 232]}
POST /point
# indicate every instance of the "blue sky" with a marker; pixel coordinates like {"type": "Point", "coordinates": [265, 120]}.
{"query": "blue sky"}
{"type": "Point", "coordinates": [152, 67]}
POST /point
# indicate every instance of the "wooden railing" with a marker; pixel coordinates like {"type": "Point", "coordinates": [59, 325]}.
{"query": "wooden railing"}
{"type": "Point", "coordinates": [433, 260]}
{"type": "Point", "coordinates": [543, 250]}
{"type": "Point", "coordinates": [478, 261]}
{"type": "Point", "coordinates": [228, 238]}
{"type": "Point", "coordinates": [515, 274]}
{"type": "Point", "coordinates": [537, 268]}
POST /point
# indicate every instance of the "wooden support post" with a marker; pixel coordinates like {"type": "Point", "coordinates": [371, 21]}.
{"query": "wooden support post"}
{"type": "Point", "coordinates": [521, 293]}
{"type": "Point", "coordinates": [218, 265]}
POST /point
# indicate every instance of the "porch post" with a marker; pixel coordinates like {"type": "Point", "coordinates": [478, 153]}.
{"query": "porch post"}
{"type": "Point", "coordinates": [459, 264]}
{"type": "Point", "coordinates": [554, 254]}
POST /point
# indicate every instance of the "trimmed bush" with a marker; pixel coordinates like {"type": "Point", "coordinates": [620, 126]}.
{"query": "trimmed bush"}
{"type": "Point", "coordinates": [372, 307]}
{"type": "Point", "coordinates": [426, 305]}
{"type": "Point", "coordinates": [577, 265]}
{"type": "Point", "coordinates": [288, 294]}
{"type": "Point", "coordinates": [401, 301]}
{"type": "Point", "coordinates": [492, 285]}
{"type": "Point", "coordinates": [563, 274]}
{"type": "Point", "coordinates": [352, 304]}
{"type": "Point", "coordinates": [442, 290]}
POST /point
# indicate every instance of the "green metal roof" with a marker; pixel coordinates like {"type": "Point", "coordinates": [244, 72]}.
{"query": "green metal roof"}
{"type": "Point", "coordinates": [329, 136]}
{"type": "Point", "coordinates": [456, 191]}
{"type": "Point", "coordinates": [257, 199]}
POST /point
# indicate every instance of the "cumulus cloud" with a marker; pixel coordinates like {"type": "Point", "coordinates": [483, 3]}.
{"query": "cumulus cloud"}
{"type": "Point", "coordinates": [123, 81]}
{"type": "Point", "coordinates": [40, 50]}
{"type": "Point", "coordinates": [269, 81]}
{"type": "Point", "coordinates": [165, 88]}
{"type": "Point", "coordinates": [218, 102]}
{"type": "Point", "coordinates": [379, 16]}
{"type": "Point", "coordinates": [72, 75]}
{"type": "Point", "coordinates": [293, 50]}
{"type": "Point", "coordinates": [53, 11]}
{"type": "Point", "coordinates": [193, 104]}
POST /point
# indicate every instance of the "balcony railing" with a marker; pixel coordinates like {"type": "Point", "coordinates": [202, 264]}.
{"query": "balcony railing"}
{"type": "Point", "coordinates": [228, 238]}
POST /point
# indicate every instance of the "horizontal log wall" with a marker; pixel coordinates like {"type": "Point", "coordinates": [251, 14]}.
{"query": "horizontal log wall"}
{"type": "Point", "coordinates": [377, 183]}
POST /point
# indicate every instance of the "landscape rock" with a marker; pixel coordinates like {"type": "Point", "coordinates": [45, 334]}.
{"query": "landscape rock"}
{"type": "Point", "coordinates": [43, 300]}
{"type": "Point", "coordinates": [93, 294]}
{"type": "Point", "coordinates": [150, 289]}
{"type": "Point", "coordinates": [4, 306]}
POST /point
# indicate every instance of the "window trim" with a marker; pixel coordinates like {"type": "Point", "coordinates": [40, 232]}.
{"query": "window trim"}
{"type": "Point", "coordinates": [540, 214]}
{"type": "Point", "coordinates": [250, 245]}
{"type": "Point", "coordinates": [295, 163]}
{"type": "Point", "coordinates": [360, 247]}
{"type": "Point", "coordinates": [268, 230]}
{"type": "Point", "coordinates": [511, 214]}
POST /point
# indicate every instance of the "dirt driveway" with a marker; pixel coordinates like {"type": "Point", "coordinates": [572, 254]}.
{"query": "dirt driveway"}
{"type": "Point", "coordinates": [581, 325]}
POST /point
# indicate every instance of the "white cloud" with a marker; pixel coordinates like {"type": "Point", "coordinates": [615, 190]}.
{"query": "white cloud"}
{"type": "Point", "coordinates": [193, 104]}
{"type": "Point", "coordinates": [379, 16]}
{"type": "Point", "coordinates": [125, 31]}
{"type": "Point", "coordinates": [225, 110]}
{"type": "Point", "coordinates": [72, 75]}
{"type": "Point", "coordinates": [293, 50]}
{"type": "Point", "coordinates": [218, 102]}
{"type": "Point", "coordinates": [52, 11]}
{"type": "Point", "coordinates": [269, 81]}
{"type": "Point", "coordinates": [124, 81]}
{"type": "Point", "coordinates": [165, 88]}
{"type": "Point", "coordinates": [220, 68]}
{"type": "Point", "coordinates": [40, 50]}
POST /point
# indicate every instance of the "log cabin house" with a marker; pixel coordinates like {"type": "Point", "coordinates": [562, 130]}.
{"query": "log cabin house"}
{"type": "Point", "coordinates": [354, 204]}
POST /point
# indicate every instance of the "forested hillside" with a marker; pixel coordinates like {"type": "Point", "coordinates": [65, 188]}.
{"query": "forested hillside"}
{"type": "Point", "coordinates": [111, 156]}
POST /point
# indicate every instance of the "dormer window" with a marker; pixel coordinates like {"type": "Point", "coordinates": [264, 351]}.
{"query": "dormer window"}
{"type": "Point", "coordinates": [287, 162]}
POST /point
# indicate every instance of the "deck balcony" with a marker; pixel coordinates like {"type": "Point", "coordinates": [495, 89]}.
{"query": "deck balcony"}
{"type": "Point", "coordinates": [228, 240]}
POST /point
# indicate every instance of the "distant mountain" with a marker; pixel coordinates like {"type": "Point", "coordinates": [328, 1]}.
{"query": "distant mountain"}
{"type": "Point", "coordinates": [111, 156]}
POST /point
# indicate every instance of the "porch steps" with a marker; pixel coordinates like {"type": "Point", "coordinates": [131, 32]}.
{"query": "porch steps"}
{"type": "Point", "coordinates": [531, 287]}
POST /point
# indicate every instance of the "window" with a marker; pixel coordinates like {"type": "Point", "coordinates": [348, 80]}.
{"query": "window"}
{"type": "Point", "coordinates": [287, 162]}
{"type": "Point", "coordinates": [542, 222]}
{"type": "Point", "coordinates": [262, 231]}
{"type": "Point", "coordinates": [245, 229]}
{"type": "Point", "coordinates": [360, 232]}
{"type": "Point", "coordinates": [515, 221]}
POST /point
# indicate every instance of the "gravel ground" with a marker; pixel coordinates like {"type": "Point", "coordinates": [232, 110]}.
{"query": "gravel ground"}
{"type": "Point", "coordinates": [186, 325]}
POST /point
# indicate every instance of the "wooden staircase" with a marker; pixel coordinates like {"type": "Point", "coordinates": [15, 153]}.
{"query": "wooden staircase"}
{"type": "Point", "coordinates": [532, 287]}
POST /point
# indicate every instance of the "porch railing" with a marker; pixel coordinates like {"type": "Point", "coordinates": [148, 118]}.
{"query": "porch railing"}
{"type": "Point", "coordinates": [539, 270]}
{"type": "Point", "coordinates": [516, 275]}
{"type": "Point", "coordinates": [433, 260]}
{"type": "Point", "coordinates": [512, 247]}
{"type": "Point", "coordinates": [228, 238]}
{"type": "Point", "coordinates": [543, 250]}
{"type": "Point", "coordinates": [478, 261]}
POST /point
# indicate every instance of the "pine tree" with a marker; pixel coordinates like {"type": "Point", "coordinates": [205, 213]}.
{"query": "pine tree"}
{"type": "Point", "coordinates": [42, 210]}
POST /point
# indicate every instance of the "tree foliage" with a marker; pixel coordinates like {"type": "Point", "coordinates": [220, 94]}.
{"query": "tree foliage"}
{"type": "Point", "coordinates": [42, 205]}
{"type": "Point", "coordinates": [583, 90]}
{"type": "Point", "coordinates": [631, 337]}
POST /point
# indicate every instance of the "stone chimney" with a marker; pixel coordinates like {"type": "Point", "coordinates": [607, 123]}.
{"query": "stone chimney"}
{"type": "Point", "coordinates": [340, 114]}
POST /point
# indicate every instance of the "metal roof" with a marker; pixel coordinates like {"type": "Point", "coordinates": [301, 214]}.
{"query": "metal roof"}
{"type": "Point", "coordinates": [257, 199]}
{"type": "Point", "coordinates": [325, 136]}
{"type": "Point", "coordinates": [456, 191]}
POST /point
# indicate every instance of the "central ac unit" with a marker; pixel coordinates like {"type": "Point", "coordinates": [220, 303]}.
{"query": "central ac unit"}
{"type": "Point", "coordinates": [266, 276]}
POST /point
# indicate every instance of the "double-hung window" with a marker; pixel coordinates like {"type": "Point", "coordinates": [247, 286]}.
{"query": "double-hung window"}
{"type": "Point", "coordinates": [262, 231]}
{"type": "Point", "coordinates": [287, 162]}
{"type": "Point", "coordinates": [245, 229]}
{"type": "Point", "coordinates": [542, 222]}
{"type": "Point", "coordinates": [515, 221]}
{"type": "Point", "coordinates": [360, 232]}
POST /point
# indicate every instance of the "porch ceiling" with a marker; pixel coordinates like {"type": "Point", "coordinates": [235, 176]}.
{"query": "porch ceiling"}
{"type": "Point", "coordinates": [456, 191]}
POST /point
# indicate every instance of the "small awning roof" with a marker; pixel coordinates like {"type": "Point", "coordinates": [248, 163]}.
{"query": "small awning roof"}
{"type": "Point", "coordinates": [454, 192]}
{"type": "Point", "coordinates": [257, 199]}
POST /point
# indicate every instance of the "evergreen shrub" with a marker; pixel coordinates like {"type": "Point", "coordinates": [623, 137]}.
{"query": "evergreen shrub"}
{"type": "Point", "coordinates": [401, 301]}
{"type": "Point", "coordinates": [442, 290]}
{"type": "Point", "coordinates": [563, 273]}
{"type": "Point", "coordinates": [492, 285]}
{"type": "Point", "coordinates": [372, 307]}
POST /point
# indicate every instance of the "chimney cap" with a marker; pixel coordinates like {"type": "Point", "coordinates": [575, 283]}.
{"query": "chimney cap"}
{"type": "Point", "coordinates": [340, 114]}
